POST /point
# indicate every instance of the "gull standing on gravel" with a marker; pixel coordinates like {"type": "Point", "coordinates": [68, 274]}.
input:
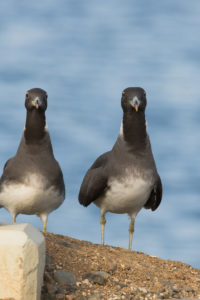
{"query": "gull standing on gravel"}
{"type": "Point", "coordinates": [125, 179]}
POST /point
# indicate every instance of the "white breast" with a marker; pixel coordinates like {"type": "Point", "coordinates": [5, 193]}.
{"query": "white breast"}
{"type": "Point", "coordinates": [31, 197]}
{"type": "Point", "coordinates": [127, 195]}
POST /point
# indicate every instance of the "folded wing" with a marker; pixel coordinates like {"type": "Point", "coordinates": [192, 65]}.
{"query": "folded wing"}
{"type": "Point", "coordinates": [155, 196]}
{"type": "Point", "coordinates": [95, 181]}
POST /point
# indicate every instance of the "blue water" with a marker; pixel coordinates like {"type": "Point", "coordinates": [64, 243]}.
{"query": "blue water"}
{"type": "Point", "coordinates": [84, 53]}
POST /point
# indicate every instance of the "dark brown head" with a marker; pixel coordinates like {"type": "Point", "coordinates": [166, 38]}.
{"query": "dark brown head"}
{"type": "Point", "coordinates": [133, 99]}
{"type": "Point", "coordinates": [36, 99]}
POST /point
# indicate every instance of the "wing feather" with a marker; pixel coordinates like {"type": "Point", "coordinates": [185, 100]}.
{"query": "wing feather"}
{"type": "Point", "coordinates": [155, 197]}
{"type": "Point", "coordinates": [94, 182]}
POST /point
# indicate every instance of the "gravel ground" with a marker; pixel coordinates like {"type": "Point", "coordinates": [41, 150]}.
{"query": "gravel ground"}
{"type": "Point", "coordinates": [82, 270]}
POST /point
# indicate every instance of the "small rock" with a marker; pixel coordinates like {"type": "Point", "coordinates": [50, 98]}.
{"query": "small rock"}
{"type": "Point", "coordinates": [48, 260]}
{"type": "Point", "coordinates": [64, 277]}
{"type": "Point", "coordinates": [60, 297]}
{"type": "Point", "coordinates": [48, 297]}
{"type": "Point", "coordinates": [78, 283]}
{"type": "Point", "coordinates": [175, 290]}
{"type": "Point", "coordinates": [94, 297]}
{"type": "Point", "coordinates": [99, 277]}
{"type": "Point", "coordinates": [52, 289]}
{"type": "Point", "coordinates": [104, 274]}
{"type": "Point", "coordinates": [143, 290]}
{"type": "Point", "coordinates": [49, 268]}
{"type": "Point", "coordinates": [48, 278]}
{"type": "Point", "coordinates": [86, 281]}
{"type": "Point", "coordinates": [44, 289]}
{"type": "Point", "coordinates": [60, 290]}
{"type": "Point", "coordinates": [113, 269]}
{"type": "Point", "coordinates": [167, 283]}
{"type": "Point", "coordinates": [69, 297]}
{"type": "Point", "coordinates": [122, 285]}
{"type": "Point", "coordinates": [68, 245]}
{"type": "Point", "coordinates": [111, 266]}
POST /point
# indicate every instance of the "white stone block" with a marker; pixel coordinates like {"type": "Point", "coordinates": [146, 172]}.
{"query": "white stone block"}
{"type": "Point", "coordinates": [22, 261]}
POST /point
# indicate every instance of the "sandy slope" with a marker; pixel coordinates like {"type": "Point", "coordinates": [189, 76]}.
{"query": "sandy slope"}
{"type": "Point", "coordinates": [126, 274]}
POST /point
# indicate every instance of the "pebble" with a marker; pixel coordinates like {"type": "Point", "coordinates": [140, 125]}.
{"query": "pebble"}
{"type": "Point", "coordinates": [48, 260]}
{"type": "Point", "coordinates": [104, 274]}
{"type": "Point", "coordinates": [68, 245]}
{"type": "Point", "coordinates": [49, 268]}
{"type": "Point", "coordinates": [143, 290]}
{"type": "Point", "coordinates": [48, 297]}
{"type": "Point", "coordinates": [78, 283]}
{"type": "Point", "coordinates": [70, 297]}
{"type": "Point", "coordinates": [114, 297]}
{"type": "Point", "coordinates": [111, 265]}
{"type": "Point", "coordinates": [99, 277]}
{"type": "Point", "coordinates": [94, 297]}
{"type": "Point", "coordinates": [86, 281]}
{"type": "Point", "coordinates": [48, 278]}
{"type": "Point", "coordinates": [60, 297]}
{"type": "Point", "coordinates": [122, 285]}
{"type": "Point", "coordinates": [52, 289]}
{"type": "Point", "coordinates": [64, 277]}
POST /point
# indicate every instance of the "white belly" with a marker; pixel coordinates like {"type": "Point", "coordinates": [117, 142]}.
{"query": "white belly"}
{"type": "Point", "coordinates": [127, 196]}
{"type": "Point", "coordinates": [31, 197]}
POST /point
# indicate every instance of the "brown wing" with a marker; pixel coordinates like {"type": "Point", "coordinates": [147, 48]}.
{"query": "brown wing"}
{"type": "Point", "coordinates": [155, 197]}
{"type": "Point", "coordinates": [94, 182]}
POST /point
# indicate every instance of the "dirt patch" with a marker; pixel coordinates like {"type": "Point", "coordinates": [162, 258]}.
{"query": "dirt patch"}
{"type": "Point", "coordinates": [103, 272]}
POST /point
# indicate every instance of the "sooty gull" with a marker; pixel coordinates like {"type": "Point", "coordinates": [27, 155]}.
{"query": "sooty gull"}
{"type": "Point", "coordinates": [125, 179]}
{"type": "Point", "coordinates": [32, 181]}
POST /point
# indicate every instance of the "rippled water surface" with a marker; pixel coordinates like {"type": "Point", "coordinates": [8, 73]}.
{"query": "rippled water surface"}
{"type": "Point", "coordinates": [84, 53]}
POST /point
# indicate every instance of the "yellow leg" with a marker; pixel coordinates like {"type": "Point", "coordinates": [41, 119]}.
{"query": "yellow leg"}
{"type": "Point", "coordinates": [44, 229]}
{"type": "Point", "coordinates": [102, 222]}
{"type": "Point", "coordinates": [44, 221]}
{"type": "Point", "coordinates": [14, 219]}
{"type": "Point", "coordinates": [131, 230]}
